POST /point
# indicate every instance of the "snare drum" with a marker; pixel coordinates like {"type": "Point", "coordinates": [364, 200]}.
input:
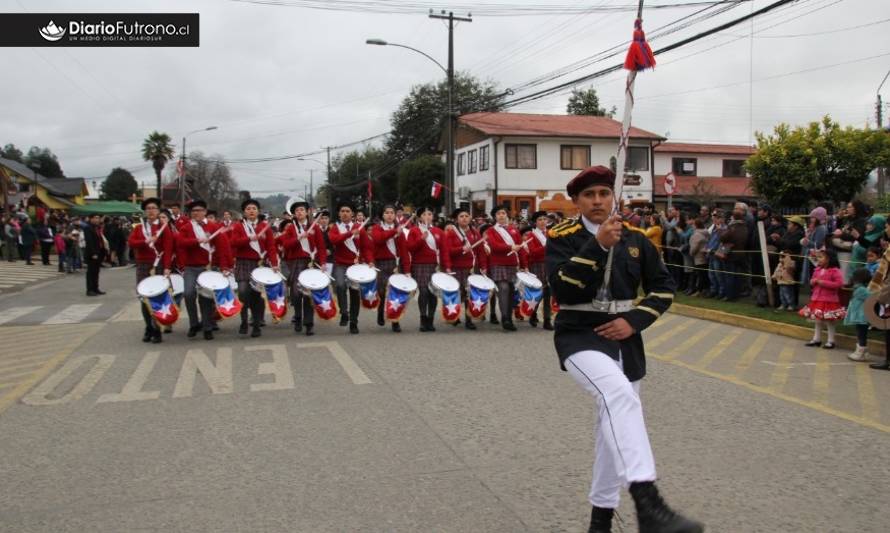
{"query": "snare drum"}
{"type": "Point", "coordinates": [527, 279]}
{"type": "Point", "coordinates": [403, 283]}
{"type": "Point", "coordinates": [209, 282]}
{"type": "Point", "coordinates": [441, 283]}
{"type": "Point", "coordinates": [312, 279]}
{"type": "Point", "coordinates": [261, 277]}
{"type": "Point", "coordinates": [152, 286]}
{"type": "Point", "coordinates": [480, 283]}
{"type": "Point", "coordinates": [177, 283]}
{"type": "Point", "coordinates": [358, 275]}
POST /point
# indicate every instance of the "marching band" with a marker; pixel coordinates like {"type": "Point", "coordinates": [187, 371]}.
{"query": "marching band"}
{"type": "Point", "coordinates": [246, 267]}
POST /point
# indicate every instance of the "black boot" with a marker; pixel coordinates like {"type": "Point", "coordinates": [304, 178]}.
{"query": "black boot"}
{"type": "Point", "coordinates": [468, 323]}
{"type": "Point", "coordinates": [533, 320]}
{"type": "Point", "coordinates": [146, 337]}
{"type": "Point", "coordinates": [881, 366]}
{"type": "Point", "coordinates": [380, 320]}
{"type": "Point", "coordinates": [396, 328]}
{"type": "Point", "coordinates": [423, 326]}
{"type": "Point", "coordinates": [548, 325]}
{"type": "Point", "coordinates": [494, 318]}
{"type": "Point", "coordinates": [600, 520]}
{"type": "Point", "coordinates": [309, 331]}
{"type": "Point", "coordinates": [156, 337]}
{"type": "Point", "coordinates": [429, 323]}
{"type": "Point", "coordinates": [242, 329]}
{"type": "Point", "coordinates": [255, 331]}
{"type": "Point", "coordinates": [208, 335]}
{"type": "Point", "coordinates": [654, 516]}
{"type": "Point", "coordinates": [193, 331]}
{"type": "Point", "coordinates": [353, 327]}
{"type": "Point", "coordinates": [344, 319]}
{"type": "Point", "coordinates": [298, 326]}
{"type": "Point", "coordinates": [508, 325]}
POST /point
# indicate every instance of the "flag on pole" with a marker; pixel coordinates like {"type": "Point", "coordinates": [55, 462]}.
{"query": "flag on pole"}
{"type": "Point", "coordinates": [180, 168]}
{"type": "Point", "coordinates": [437, 189]}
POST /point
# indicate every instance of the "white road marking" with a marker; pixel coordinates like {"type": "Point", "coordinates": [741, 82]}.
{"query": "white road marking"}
{"type": "Point", "coordinates": [354, 372]}
{"type": "Point", "coordinates": [793, 365]}
{"type": "Point", "coordinates": [279, 367]}
{"type": "Point", "coordinates": [40, 394]}
{"type": "Point", "coordinates": [72, 314]}
{"type": "Point", "coordinates": [218, 377]}
{"type": "Point", "coordinates": [132, 391]}
{"type": "Point", "coordinates": [8, 315]}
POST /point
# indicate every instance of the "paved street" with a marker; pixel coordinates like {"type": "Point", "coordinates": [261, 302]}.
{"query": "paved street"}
{"type": "Point", "coordinates": [17, 275]}
{"type": "Point", "coordinates": [450, 431]}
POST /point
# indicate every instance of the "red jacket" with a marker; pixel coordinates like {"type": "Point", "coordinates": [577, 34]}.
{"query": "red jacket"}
{"type": "Point", "coordinates": [500, 249]}
{"type": "Point", "coordinates": [422, 254]}
{"type": "Point", "coordinates": [240, 241]}
{"type": "Point", "coordinates": [379, 236]}
{"type": "Point", "coordinates": [342, 254]}
{"type": "Point", "coordinates": [164, 243]}
{"type": "Point", "coordinates": [461, 258]}
{"type": "Point", "coordinates": [193, 255]}
{"type": "Point", "coordinates": [294, 250]}
{"type": "Point", "coordinates": [536, 251]}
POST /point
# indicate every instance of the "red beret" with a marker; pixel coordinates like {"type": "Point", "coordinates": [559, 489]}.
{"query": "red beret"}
{"type": "Point", "coordinates": [598, 175]}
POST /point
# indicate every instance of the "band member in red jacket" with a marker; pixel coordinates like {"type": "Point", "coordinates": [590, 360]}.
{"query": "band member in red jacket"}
{"type": "Point", "coordinates": [389, 248]}
{"type": "Point", "coordinates": [253, 245]}
{"type": "Point", "coordinates": [303, 244]}
{"type": "Point", "coordinates": [535, 238]}
{"type": "Point", "coordinates": [464, 257]}
{"type": "Point", "coordinates": [152, 242]}
{"type": "Point", "coordinates": [429, 251]}
{"type": "Point", "coordinates": [351, 246]}
{"type": "Point", "coordinates": [507, 256]}
{"type": "Point", "coordinates": [201, 245]}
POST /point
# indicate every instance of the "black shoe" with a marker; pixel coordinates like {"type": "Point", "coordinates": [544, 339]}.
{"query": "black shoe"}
{"type": "Point", "coordinates": [880, 366]}
{"type": "Point", "coordinates": [423, 326]}
{"type": "Point", "coordinates": [456, 323]}
{"type": "Point", "coordinates": [469, 324]}
{"type": "Point", "coordinates": [92, 293]}
{"type": "Point", "coordinates": [396, 328]}
{"type": "Point", "coordinates": [309, 331]}
{"type": "Point", "coordinates": [168, 329]}
{"type": "Point", "coordinates": [508, 326]}
{"type": "Point", "coordinates": [494, 320]}
{"type": "Point", "coordinates": [828, 346]}
{"type": "Point", "coordinates": [813, 343]}
{"type": "Point", "coordinates": [208, 335]}
{"type": "Point", "coordinates": [242, 329]}
{"type": "Point", "coordinates": [429, 323]}
{"type": "Point", "coordinates": [600, 520]}
{"type": "Point", "coordinates": [256, 331]}
{"type": "Point", "coordinates": [156, 338]}
{"type": "Point", "coordinates": [146, 337]}
{"type": "Point", "coordinates": [344, 320]}
{"type": "Point", "coordinates": [214, 327]}
{"type": "Point", "coordinates": [654, 515]}
{"type": "Point", "coordinates": [298, 326]}
{"type": "Point", "coordinates": [548, 325]}
{"type": "Point", "coordinates": [533, 321]}
{"type": "Point", "coordinates": [193, 331]}
{"type": "Point", "coordinates": [380, 320]}
{"type": "Point", "coordinates": [353, 328]}
{"type": "Point", "coordinates": [262, 323]}
{"type": "Point", "coordinates": [100, 292]}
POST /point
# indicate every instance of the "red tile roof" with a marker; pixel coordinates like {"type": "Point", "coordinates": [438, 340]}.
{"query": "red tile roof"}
{"type": "Point", "coordinates": [527, 124]}
{"type": "Point", "coordinates": [725, 187]}
{"type": "Point", "coordinates": [696, 148]}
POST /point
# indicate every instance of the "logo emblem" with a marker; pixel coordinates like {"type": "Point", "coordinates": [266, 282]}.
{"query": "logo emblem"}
{"type": "Point", "coordinates": [51, 32]}
{"type": "Point", "coordinates": [633, 251]}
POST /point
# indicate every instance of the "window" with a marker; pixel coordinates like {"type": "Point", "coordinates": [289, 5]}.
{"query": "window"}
{"type": "Point", "coordinates": [483, 158]}
{"type": "Point", "coordinates": [685, 166]}
{"type": "Point", "coordinates": [574, 157]}
{"type": "Point", "coordinates": [24, 187]}
{"type": "Point", "coordinates": [733, 168]}
{"type": "Point", "coordinates": [521, 156]}
{"type": "Point", "coordinates": [637, 158]}
{"type": "Point", "coordinates": [472, 162]}
{"type": "Point", "coordinates": [461, 164]}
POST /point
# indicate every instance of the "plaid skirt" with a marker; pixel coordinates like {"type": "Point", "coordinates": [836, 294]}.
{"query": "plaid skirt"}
{"type": "Point", "coordinates": [422, 274]}
{"type": "Point", "coordinates": [294, 267]}
{"type": "Point", "coordinates": [502, 273]}
{"type": "Point", "coordinates": [540, 270]}
{"type": "Point", "coordinates": [243, 268]}
{"type": "Point", "coordinates": [143, 270]}
{"type": "Point", "coordinates": [386, 269]}
{"type": "Point", "coordinates": [462, 274]}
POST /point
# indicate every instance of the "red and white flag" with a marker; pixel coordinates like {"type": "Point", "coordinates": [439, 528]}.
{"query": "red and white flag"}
{"type": "Point", "coordinates": [180, 168]}
{"type": "Point", "coordinates": [437, 189]}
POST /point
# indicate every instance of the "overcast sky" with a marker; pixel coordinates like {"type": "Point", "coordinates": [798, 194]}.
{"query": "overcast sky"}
{"type": "Point", "coordinates": [282, 80]}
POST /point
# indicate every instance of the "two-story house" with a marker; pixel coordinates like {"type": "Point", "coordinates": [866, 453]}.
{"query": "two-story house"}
{"type": "Point", "coordinates": [711, 173]}
{"type": "Point", "coordinates": [525, 160]}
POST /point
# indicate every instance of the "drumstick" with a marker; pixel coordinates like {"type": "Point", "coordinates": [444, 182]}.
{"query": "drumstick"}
{"type": "Point", "coordinates": [480, 241]}
{"type": "Point", "coordinates": [524, 244]}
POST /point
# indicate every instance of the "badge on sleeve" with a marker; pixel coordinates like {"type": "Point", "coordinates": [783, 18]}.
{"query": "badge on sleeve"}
{"type": "Point", "coordinates": [633, 251]}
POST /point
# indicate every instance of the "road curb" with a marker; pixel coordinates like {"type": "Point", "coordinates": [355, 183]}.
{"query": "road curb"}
{"type": "Point", "coordinates": [778, 328]}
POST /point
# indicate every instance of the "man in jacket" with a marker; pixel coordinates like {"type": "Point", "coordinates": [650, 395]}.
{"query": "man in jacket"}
{"type": "Point", "coordinates": [95, 252]}
{"type": "Point", "coordinates": [734, 242]}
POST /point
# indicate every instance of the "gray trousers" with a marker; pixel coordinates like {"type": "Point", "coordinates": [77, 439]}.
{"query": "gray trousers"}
{"type": "Point", "coordinates": [355, 298]}
{"type": "Point", "coordinates": [192, 300]}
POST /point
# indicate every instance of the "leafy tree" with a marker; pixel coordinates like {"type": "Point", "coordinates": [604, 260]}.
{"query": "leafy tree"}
{"type": "Point", "coordinates": [274, 204]}
{"type": "Point", "coordinates": [46, 162]}
{"type": "Point", "coordinates": [349, 178]}
{"type": "Point", "coordinates": [586, 102]}
{"type": "Point", "coordinates": [158, 149]}
{"type": "Point", "coordinates": [119, 185]}
{"type": "Point", "coordinates": [422, 118]}
{"type": "Point", "coordinates": [819, 162]}
{"type": "Point", "coordinates": [416, 181]}
{"type": "Point", "coordinates": [211, 180]}
{"type": "Point", "coordinates": [11, 152]}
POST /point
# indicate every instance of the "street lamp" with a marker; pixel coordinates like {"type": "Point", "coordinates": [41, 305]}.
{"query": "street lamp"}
{"type": "Point", "coordinates": [449, 73]}
{"type": "Point", "coordinates": [182, 174]}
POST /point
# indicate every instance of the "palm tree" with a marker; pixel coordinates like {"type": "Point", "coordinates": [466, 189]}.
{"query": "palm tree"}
{"type": "Point", "coordinates": [157, 149]}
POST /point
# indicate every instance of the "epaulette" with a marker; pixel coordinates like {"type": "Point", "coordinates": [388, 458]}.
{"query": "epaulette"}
{"type": "Point", "coordinates": [631, 227]}
{"type": "Point", "coordinates": [566, 227]}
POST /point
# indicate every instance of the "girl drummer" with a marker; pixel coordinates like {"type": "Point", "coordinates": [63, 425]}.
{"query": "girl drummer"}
{"type": "Point", "coordinates": [507, 257]}
{"type": "Point", "coordinates": [464, 258]}
{"type": "Point", "coordinates": [152, 242]}
{"type": "Point", "coordinates": [253, 244]}
{"type": "Point", "coordinates": [389, 243]}
{"type": "Point", "coordinates": [536, 242]}
{"type": "Point", "coordinates": [429, 252]}
{"type": "Point", "coordinates": [351, 246]}
{"type": "Point", "coordinates": [303, 244]}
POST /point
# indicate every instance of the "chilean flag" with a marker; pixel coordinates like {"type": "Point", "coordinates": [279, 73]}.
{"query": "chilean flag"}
{"type": "Point", "coordinates": [554, 306]}
{"type": "Point", "coordinates": [451, 306]}
{"type": "Point", "coordinates": [396, 302]}
{"type": "Point", "coordinates": [227, 304]}
{"type": "Point", "coordinates": [277, 302]}
{"type": "Point", "coordinates": [528, 300]}
{"type": "Point", "coordinates": [437, 189]}
{"type": "Point", "coordinates": [478, 301]}
{"type": "Point", "coordinates": [369, 295]}
{"type": "Point", "coordinates": [325, 306]}
{"type": "Point", "coordinates": [163, 309]}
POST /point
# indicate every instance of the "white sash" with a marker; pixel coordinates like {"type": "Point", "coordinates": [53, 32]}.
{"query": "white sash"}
{"type": "Point", "coordinates": [199, 233]}
{"type": "Point", "coordinates": [505, 235]}
{"type": "Point", "coordinates": [251, 231]}
{"type": "Point", "coordinates": [430, 240]}
{"type": "Point", "coordinates": [146, 232]}
{"type": "Point", "coordinates": [540, 235]}
{"type": "Point", "coordinates": [303, 238]}
{"type": "Point", "coordinates": [390, 242]}
{"type": "Point", "coordinates": [350, 242]}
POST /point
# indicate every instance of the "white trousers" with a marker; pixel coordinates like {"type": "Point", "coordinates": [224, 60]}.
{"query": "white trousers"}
{"type": "Point", "coordinates": [623, 453]}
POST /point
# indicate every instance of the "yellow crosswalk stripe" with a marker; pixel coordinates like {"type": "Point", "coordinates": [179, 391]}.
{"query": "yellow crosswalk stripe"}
{"type": "Point", "coordinates": [751, 354]}
{"type": "Point", "coordinates": [31, 364]}
{"type": "Point", "coordinates": [665, 319]}
{"type": "Point", "coordinates": [867, 399]}
{"type": "Point", "coordinates": [783, 368]}
{"type": "Point", "coordinates": [669, 334]}
{"type": "Point", "coordinates": [718, 349]}
{"type": "Point", "coordinates": [821, 377]}
{"type": "Point", "coordinates": [691, 341]}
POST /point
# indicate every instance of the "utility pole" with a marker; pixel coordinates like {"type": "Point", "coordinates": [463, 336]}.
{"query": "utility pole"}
{"type": "Point", "coordinates": [311, 187]}
{"type": "Point", "coordinates": [879, 115]}
{"type": "Point", "coordinates": [449, 159]}
{"type": "Point", "coordinates": [328, 182]}
{"type": "Point", "coordinates": [181, 182]}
